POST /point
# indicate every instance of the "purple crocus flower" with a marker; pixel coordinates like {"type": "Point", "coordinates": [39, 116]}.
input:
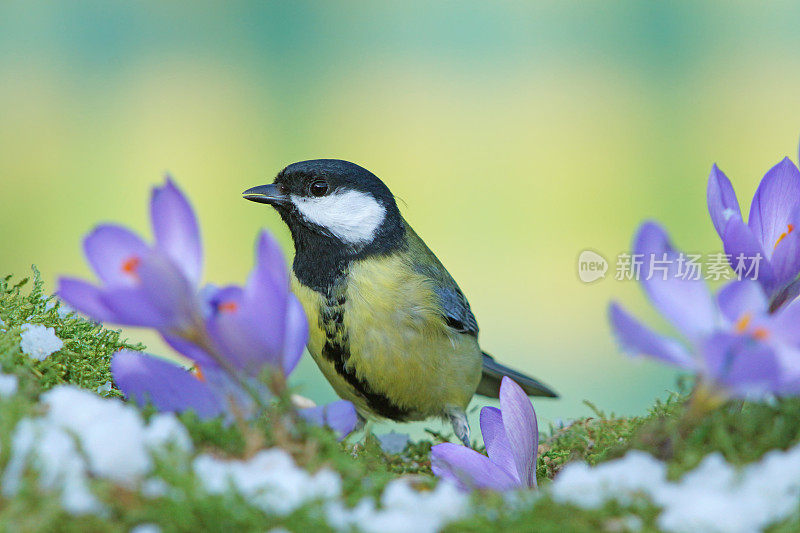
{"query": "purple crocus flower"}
{"type": "Point", "coordinates": [511, 437]}
{"type": "Point", "coordinates": [245, 330]}
{"type": "Point", "coordinates": [733, 343]}
{"type": "Point", "coordinates": [143, 285]}
{"type": "Point", "coordinates": [231, 340]}
{"type": "Point", "coordinates": [262, 322]}
{"type": "Point", "coordinates": [209, 393]}
{"type": "Point", "coordinates": [769, 233]}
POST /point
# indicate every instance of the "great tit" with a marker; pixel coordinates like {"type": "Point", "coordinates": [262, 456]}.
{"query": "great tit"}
{"type": "Point", "coordinates": [390, 328]}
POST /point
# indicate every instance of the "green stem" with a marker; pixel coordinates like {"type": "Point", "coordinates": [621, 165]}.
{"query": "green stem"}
{"type": "Point", "coordinates": [198, 335]}
{"type": "Point", "coordinates": [703, 400]}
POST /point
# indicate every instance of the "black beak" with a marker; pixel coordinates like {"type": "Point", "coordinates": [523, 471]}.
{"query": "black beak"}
{"type": "Point", "coordinates": [266, 194]}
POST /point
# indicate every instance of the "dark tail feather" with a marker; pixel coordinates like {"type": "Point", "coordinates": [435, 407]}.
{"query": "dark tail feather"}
{"type": "Point", "coordinates": [493, 373]}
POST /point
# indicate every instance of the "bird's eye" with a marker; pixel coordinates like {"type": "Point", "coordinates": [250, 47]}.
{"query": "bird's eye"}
{"type": "Point", "coordinates": [318, 188]}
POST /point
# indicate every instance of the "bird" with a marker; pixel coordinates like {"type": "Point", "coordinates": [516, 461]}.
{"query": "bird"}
{"type": "Point", "coordinates": [389, 327]}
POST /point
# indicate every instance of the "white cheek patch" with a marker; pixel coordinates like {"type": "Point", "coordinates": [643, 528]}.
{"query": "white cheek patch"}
{"type": "Point", "coordinates": [352, 216]}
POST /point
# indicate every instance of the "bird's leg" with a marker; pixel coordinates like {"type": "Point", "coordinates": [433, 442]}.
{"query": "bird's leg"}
{"type": "Point", "coordinates": [458, 418]}
{"type": "Point", "coordinates": [361, 423]}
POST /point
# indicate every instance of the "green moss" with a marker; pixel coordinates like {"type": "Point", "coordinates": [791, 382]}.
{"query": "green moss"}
{"type": "Point", "coordinates": [543, 515]}
{"type": "Point", "coordinates": [741, 431]}
{"type": "Point", "coordinates": [598, 438]}
{"type": "Point", "coordinates": [88, 346]}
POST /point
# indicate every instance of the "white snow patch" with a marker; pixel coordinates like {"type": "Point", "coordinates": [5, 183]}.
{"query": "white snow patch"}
{"type": "Point", "coordinates": [110, 432]}
{"type": "Point", "coordinates": [402, 509]}
{"type": "Point", "coordinates": [146, 528]}
{"type": "Point", "coordinates": [270, 480]}
{"type": "Point", "coordinates": [39, 341]}
{"type": "Point", "coordinates": [714, 497]}
{"type": "Point", "coordinates": [84, 435]}
{"type": "Point", "coordinates": [155, 488]}
{"type": "Point", "coordinates": [165, 430]}
{"type": "Point", "coordinates": [60, 466]}
{"type": "Point", "coordinates": [63, 310]}
{"type": "Point", "coordinates": [8, 385]}
{"type": "Point", "coordinates": [623, 480]}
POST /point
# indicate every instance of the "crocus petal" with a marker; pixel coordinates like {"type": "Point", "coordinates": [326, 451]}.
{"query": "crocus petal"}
{"type": "Point", "coordinates": [163, 299]}
{"type": "Point", "coordinates": [85, 298]}
{"type": "Point", "coordinates": [738, 299]}
{"type": "Point", "coordinates": [785, 324]}
{"type": "Point", "coordinates": [789, 360]}
{"type": "Point", "coordinates": [189, 350]}
{"type": "Point", "coordinates": [268, 284]}
{"type": "Point", "coordinates": [635, 338]}
{"type": "Point", "coordinates": [522, 430]}
{"type": "Point", "coordinates": [208, 295]}
{"type": "Point", "coordinates": [242, 337]}
{"type": "Point", "coordinates": [785, 260]}
{"type": "Point", "coordinates": [746, 254]}
{"type": "Point", "coordinates": [170, 291]}
{"type": "Point", "coordinates": [270, 262]}
{"type": "Point", "coordinates": [686, 303]}
{"type": "Point", "coordinates": [250, 325]}
{"type": "Point", "coordinates": [114, 253]}
{"type": "Point", "coordinates": [741, 366]}
{"type": "Point", "coordinates": [469, 469]}
{"type": "Point", "coordinates": [340, 416]}
{"type": "Point", "coordinates": [496, 441]}
{"type": "Point", "coordinates": [296, 337]}
{"type": "Point", "coordinates": [223, 299]}
{"type": "Point", "coordinates": [266, 293]}
{"type": "Point", "coordinates": [785, 295]}
{"type": "Point", "coordinates": [722, 202]}
{"type": "Point", "coordinates": [131, 306]}
{"type": "Point", "coordinates": [167, 386]}
{"type": "Point", "coordinates": [176, 230]}
{"type": "Point", "coordinates": [774, 202]}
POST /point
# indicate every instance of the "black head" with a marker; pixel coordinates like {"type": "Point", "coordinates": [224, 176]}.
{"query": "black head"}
{"type": "Point", "coordinates": [334, 209]}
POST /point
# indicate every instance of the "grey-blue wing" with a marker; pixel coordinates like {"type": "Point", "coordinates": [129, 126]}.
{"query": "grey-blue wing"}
{"type": "Point", "coordinates": [456, 310]}
{"type": "Point", "coordinates": [455, 306]}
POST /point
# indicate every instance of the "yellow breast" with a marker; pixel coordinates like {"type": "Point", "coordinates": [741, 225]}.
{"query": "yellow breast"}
{"type": "Point", "coordinates": [397, 344]}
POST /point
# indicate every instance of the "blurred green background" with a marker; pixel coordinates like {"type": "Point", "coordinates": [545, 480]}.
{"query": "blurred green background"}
{"type": "Point", "coordinates": [517, 135]}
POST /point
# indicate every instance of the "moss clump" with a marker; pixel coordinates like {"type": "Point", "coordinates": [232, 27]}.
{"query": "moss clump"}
{"type": "Point", "coordinates": [741, 431]}
{"type": "Point", "coordinates": [595, 439]}
{"type": "Point", "coordinates": [88, 346]}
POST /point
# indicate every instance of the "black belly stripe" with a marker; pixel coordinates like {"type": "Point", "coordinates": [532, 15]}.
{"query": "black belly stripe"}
{"type": "Point", "coordinates": [378, 402]}
{"type": "Point", "coordinates": [337, 351]}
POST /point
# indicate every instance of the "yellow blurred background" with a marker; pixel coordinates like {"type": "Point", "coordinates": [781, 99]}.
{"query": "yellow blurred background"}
{"type": "Point", "coordinates": [517, 135]}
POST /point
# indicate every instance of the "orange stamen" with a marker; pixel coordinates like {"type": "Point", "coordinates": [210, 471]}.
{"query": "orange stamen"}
{"type": "Point", "coordinates": [228, 307]}
{"type": "Point", "coordinates": [744, 321]}
{"type": "Point", "coordinates": [784, 234]}
{"type": "Point", "coordinates": [131, 265]}
{"type": "Point", "coordinates": [198, 373]}
{"type": "Point", "coordinates": [758, 333]}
